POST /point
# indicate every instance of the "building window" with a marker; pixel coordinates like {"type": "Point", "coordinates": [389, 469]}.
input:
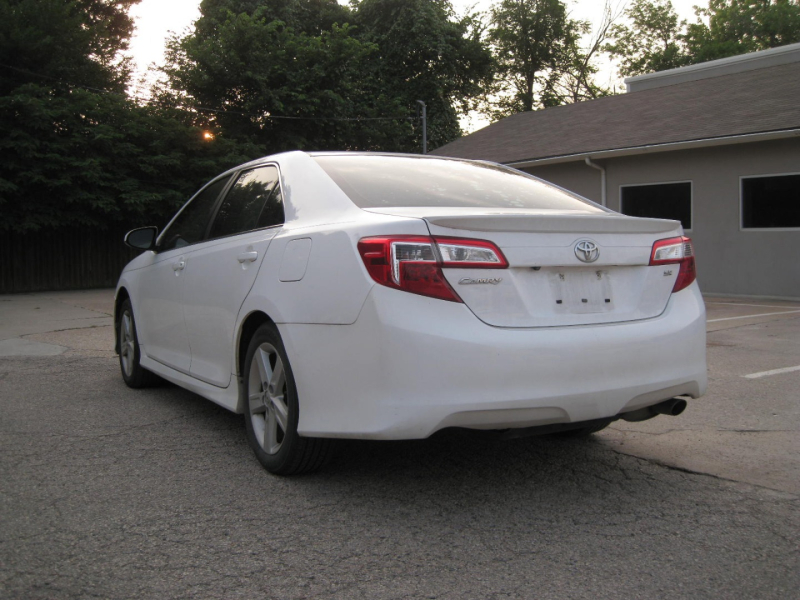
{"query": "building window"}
{"type": "Point", "coordinates": [771, 202]}
{"type": "Point", "coordinates": [659, 201]}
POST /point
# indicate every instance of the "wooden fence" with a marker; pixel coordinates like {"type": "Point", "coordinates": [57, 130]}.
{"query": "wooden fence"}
{"type": "Point", "coordinates": [61, 260]}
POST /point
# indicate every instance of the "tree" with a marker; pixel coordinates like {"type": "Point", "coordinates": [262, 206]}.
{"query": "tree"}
{"type": "Point", "coordinates": [310, 74]}
{"type": "Point", "coordinates": [77, 41]}
{"type": "Point", "coordinates": [85, 159]}
{"type": "Point", "coordinates": [534, 44]}
{"type": "Point", "coordinates": [74, 150]}
{"type": "Point", "coordinates": [423, 52]}
{"type": "Point", "coordinates": [577, 82]}
{"type": "Point", "coordinates": [740, 26]}
{"type": "Point", "coordinates": [307, 16]}
{"type": "Point", "coordinates": [653, 40]}
{"type": "Point", "coordinates": [280, 84]}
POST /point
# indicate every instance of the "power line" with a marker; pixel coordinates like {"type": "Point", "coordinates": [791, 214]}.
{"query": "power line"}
{"type": "Point", "coordinates": [286, 117]}
{"type": "Point", "coordinates": [267, 116]}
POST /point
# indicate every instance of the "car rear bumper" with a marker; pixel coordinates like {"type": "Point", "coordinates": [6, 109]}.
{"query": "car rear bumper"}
{"type": "Point", "coordinates": [411, 365]}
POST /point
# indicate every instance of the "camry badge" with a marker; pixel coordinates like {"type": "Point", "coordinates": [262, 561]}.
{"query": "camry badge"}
{"type": "Point", "coordinates": [470, 281]}
{"type": "Point", "coordinates": [587, 251]}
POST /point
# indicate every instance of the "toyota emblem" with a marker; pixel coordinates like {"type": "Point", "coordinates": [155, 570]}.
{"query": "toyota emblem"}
{"type": "Point", "coordinates": [587, 251]}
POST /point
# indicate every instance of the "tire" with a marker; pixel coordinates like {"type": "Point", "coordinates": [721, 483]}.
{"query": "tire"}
{"type": "Point", "coordinates": [134, 375]}
{"type": "Point", "coordinates": [272, 410]}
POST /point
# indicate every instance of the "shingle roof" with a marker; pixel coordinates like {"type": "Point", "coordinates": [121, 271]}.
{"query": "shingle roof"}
{"type": "Point", "coordinates": [756, 101]}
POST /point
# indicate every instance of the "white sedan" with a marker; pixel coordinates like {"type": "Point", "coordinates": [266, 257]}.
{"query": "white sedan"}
{"type": "Point", "coordinates": [374, 296]}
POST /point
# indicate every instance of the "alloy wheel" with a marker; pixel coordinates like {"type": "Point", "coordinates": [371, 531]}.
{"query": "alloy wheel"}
{"type": "Point", "coordinates": [126, 343]}
{"type": "Point", "coordinates": [267, 398]}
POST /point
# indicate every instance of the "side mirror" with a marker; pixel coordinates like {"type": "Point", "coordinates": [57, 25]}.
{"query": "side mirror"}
{"type": "Point", "coordinates": [143, 238]}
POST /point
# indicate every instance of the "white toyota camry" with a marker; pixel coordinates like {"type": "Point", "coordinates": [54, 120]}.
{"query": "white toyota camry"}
{"type": "Point", "coordinates": [374, 296]}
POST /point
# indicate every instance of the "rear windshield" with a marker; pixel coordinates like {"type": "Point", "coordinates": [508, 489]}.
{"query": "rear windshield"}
{"type": "Point", "coordinates": [395, 181]}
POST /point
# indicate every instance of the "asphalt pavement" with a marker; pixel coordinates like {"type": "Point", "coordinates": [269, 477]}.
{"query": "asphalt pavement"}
{"type": "Point", "coordinates": [109, 492]}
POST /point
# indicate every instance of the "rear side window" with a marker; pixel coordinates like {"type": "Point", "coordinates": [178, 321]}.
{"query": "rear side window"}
{"type": "Point", "coordinates": [189, 227]}
{"type": "Point", "coordinates": [394, 181]}
{"type": "Point", "coordinates": [253, 202]}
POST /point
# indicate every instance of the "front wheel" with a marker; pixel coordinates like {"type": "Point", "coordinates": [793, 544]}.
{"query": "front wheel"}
{"type": "Point", "coordinates": [133, 373]}
{"type": "Point", "coordinates": [272, 411]}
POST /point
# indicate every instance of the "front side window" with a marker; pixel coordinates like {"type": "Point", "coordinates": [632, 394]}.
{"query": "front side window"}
{"type": "Point", "coordinates": [253, 202]}
{"type": "Point", "coordinates": [659, 201]}
{"type": "Point", "coordinates": [771, 202]}
{"type": "Point", "coordinates": [189, 227]}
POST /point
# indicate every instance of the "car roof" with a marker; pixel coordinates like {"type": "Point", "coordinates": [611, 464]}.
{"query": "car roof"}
{"type": "Point", "coordinates": [314, 153]}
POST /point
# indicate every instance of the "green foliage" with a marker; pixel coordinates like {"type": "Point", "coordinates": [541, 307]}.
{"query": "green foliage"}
{"type": "Point", "coordinates": [253, 67]}
{"type": "Point", "coordinates": [306, 16]}
{"type": "Point", "coordinates": [424, 53]}
{"type": "Point", "coordinates": [345, 78]}
{"type": "Point", "coordinates": [577, 83]}
{"type": "Point", "coordinates": [655, 40]}
{"type": "Point", "coordinates": [74, 151]}
{"type": "Point", "coordinates": [535, 46]}
{"type": "Point", "coordinates": [652, 41]}
{"type": "Point", "coordinates": [68, 40]}
{"type": "Point", "coordinates": [89, 160]}
{"type": "Point", "coordinates": [740, 26]}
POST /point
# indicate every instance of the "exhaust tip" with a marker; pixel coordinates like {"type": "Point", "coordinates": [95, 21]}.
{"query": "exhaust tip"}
{"type": "Point", "coordinates": [678, 407]}
{"type": "Point", "coordinates": [672, 407]}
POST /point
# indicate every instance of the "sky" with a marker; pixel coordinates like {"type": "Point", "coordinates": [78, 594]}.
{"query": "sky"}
{"type": "Point", "coordinates": [155, 19]}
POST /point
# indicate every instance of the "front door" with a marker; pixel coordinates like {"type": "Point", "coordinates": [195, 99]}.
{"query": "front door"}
{"type": "Point", "coordinates": [160, 292]}
{"type": "Point", "coordinates": [159, 312]}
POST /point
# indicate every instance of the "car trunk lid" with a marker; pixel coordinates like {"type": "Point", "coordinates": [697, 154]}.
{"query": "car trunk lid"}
{"type": "Point", "coordinates": [548, 283]}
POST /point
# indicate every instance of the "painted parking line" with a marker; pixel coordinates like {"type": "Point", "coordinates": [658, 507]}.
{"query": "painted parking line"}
{"type": "Point", "coordinates": [742, 304]}
{"type": "Point", "coordinates": [785, 312]}
{"type": "Point", "coordinates": [772, 372]}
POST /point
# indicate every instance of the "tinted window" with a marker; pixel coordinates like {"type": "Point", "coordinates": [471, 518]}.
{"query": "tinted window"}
{"type": "Point", "coordinates": [659, 201]}
{"type": "Point", "coordinates": [273, 210]}
{"type": "Point", "coordinates": [378, 181]}
{"type": "Point", "coordinates": [769, 202]}
{"type": "Point", "coordinates": [189, 227]}
{"type": "Point", "coordinates": [253, 202]}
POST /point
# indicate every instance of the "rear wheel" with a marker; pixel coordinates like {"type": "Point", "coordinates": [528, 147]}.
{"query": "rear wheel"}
{"type": "Point", "coordinates": [133, 373]}
{"type": "Point", "coordinates": [272, 409]}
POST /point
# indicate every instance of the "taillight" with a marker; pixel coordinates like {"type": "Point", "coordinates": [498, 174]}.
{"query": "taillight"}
{"type": "Point", "coordinates": [414, 263]}
{"type": "Point", "coordinates": [676, 251]}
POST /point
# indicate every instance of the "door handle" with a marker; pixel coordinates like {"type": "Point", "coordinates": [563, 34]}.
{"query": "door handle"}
{"type": "Point", "coordinates": [178, 266]}
{"type": "Point", "coordinates": [247, 256]}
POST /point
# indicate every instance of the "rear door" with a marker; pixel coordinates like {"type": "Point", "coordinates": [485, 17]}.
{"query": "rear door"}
{"type": "Point", "coordinates": [220, 273]}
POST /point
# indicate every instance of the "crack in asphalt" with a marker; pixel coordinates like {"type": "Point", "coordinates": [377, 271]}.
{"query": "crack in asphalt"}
{"type": "Point", "coordinates": [661, 463]}
{"type": "Point", "coordinates": [722, 430]}
{"type": "Point", "coordinates": [27, 335]}
{"type": "Point", "coordinates": [94, 310]}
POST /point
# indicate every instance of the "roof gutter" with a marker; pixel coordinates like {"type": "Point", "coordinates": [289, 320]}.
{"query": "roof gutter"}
{"type": "Point", "coordinates": [602, 179]}
{"type": "Point", "coordinates": [653, 148]}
